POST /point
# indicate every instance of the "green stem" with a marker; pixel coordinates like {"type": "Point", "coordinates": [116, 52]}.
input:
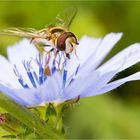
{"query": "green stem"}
{"type": "Point", "coordinates": [27, 117]}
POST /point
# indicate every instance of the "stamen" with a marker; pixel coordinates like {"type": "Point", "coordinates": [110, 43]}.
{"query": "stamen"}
{"type": "Point", "coordinates": [36, 78]}
{"type": "Point", "coordinates": [62, 61]}
{"type": "Point", "coordinates": [47, 59]}
{"type": "Point", "coordinates": [23, 84]}
{"type": "Point", "coordinates": [53, 67]}
{"type": "Point", "coordinates": [64, 77]}
{"type": "Point", "coordinates": [59, 58]}
{"type": "Point", "coordinates": [77, 69]}
{"type": "Point", "coordinates": [29, 73]}
{"type": "Point", "coordinates": [20, 79]}
{"type": "Point", "coordinates": [42, 76]}
{"type": "Point", "coordinates": [74, 75]}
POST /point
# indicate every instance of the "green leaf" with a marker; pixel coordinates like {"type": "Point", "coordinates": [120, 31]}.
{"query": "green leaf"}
{"type": "Point", "coordinates": [50, 111]}
{"type": "Point", "coordinates": [31, 120]}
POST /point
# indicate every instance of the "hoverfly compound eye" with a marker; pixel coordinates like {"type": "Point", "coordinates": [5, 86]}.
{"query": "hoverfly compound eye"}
{"type": "Point", "coordinates": [66, 42]}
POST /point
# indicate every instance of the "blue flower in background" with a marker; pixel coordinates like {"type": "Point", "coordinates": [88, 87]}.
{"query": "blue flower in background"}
{"type": "Point", "coordinates": [22, 76]}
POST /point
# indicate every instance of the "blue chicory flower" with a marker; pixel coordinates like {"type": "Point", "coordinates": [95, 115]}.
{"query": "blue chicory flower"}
{"type": "Point", "coordinates": [22, 75]}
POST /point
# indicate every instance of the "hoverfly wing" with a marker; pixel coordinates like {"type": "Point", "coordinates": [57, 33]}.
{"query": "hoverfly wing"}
{"type": "Point", "coordinates": [66, 17]}
{"type": "Point", "coordinates": [21, 32]}
{"type": "Point", "coordinates": [48, 25]}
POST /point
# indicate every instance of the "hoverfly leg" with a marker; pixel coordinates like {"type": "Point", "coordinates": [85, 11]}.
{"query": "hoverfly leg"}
{"type": "Point", "coordinates": [51, 50]}
{"type": "Point", "coordinates": [47, 70]}
{"type": "Point", "coordinates": [55, 58]}
{"type": "Point", "coordinates": [48, 52]}
{"type": "Point", "coordinates": [68, 55]}
{"type": "Point", "coordinates": [56, 53]}
{"type": "Point", "coordinates": [46, 45]}
{"type": "Point", "coordinates": [32, 39]}
{"type": "Point", "coordinates": [76, 54]}
{"type": "Point", "coordinates": [46, 121]}
{"type": "Point", "coordinates": [77, 99]}
{"type": "Point", "coordinates": [43, 48]}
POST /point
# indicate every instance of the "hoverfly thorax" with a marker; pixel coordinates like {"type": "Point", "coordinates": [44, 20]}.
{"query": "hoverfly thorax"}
{"type": "Point", "coordinates": [54, 32]}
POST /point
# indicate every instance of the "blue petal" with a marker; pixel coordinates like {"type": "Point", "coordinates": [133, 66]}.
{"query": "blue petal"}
{"type": "Point", "coordinates": [102, 80]}
{"type": "Point", "coordinates": [23, 50]}
{"type": "Point", "coordinates": [84, 50]}
{"type": "Point", "coordinates": [26, 97]}
{"type": "Point", "coordinates": [87, 46]}
{"type": "Point", "coordinates": [31, 96]}
{"type": "Point", "coordinates": [117, 83]}
{"type": "Point", "coordinates": [80, 85]}
{"type": "Point", "coordinates": [11, 93]}
{"type": "Point", "coordinates": [129, 57]}
{"type": "Point", "coordinates": [102, 50]}
{"type": "Point", "coordinates": [6, 73]}
{"type": "Point", "coordinates": [50, 89]}
{"type": "Point", "coordinates": [88, 83]}
{"type": "Point", "coordinates": [72, 65]}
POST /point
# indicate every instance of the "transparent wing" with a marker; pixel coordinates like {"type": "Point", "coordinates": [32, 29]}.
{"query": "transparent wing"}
{"type": "Point", "coordinates": [48, 25]}
{"type": "Point", "coordinates": [66, 17]}
{"type": "Point", "coordinates": [27, 32]}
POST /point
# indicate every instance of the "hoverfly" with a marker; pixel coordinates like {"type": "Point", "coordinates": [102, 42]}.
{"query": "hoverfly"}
{"type": "Point", "coordinates": [58, 34]}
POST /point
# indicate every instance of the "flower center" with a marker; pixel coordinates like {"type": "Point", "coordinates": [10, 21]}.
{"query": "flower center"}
{"type": "Point", "coordinates": [36, 77]}
{"type": "Point", "coordinates": [35, 70]}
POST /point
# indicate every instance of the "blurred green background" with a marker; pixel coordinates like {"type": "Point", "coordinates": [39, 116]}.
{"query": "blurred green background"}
{"type": "Point", "coordinates": [115, 114]}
